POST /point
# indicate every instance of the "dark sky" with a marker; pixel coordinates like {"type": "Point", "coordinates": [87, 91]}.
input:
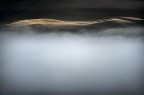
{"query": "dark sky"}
{"type": "Point", "coordinates": [69, 9]}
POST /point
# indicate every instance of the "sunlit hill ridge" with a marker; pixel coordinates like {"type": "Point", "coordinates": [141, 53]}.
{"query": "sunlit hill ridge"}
{"type": "Point", "coordinates": [46, 25]}
{"type": "Point", "coordinates": [54, 22]}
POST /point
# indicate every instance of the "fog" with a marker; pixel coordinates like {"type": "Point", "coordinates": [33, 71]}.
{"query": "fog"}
{"type": "Point", "coordinates": [71, 62]}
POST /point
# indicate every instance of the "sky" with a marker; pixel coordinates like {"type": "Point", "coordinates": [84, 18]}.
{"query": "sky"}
{"type": "Point", "coordinates": [65, 9]}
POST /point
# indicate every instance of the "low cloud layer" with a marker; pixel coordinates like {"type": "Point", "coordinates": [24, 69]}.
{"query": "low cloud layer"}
{"type": "Point", "coordinates": [106, 61]}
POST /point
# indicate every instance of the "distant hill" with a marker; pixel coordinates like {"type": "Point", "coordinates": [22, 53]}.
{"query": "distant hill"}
{"type": "Point", "coordinates": [44, 25]}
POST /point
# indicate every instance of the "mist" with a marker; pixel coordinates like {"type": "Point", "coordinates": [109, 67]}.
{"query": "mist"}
{"type": "Point", "coordinates": [65, 62]}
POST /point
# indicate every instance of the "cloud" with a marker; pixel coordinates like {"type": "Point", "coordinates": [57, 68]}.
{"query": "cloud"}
{"type": "Point", "coordinates": [67, 62]}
